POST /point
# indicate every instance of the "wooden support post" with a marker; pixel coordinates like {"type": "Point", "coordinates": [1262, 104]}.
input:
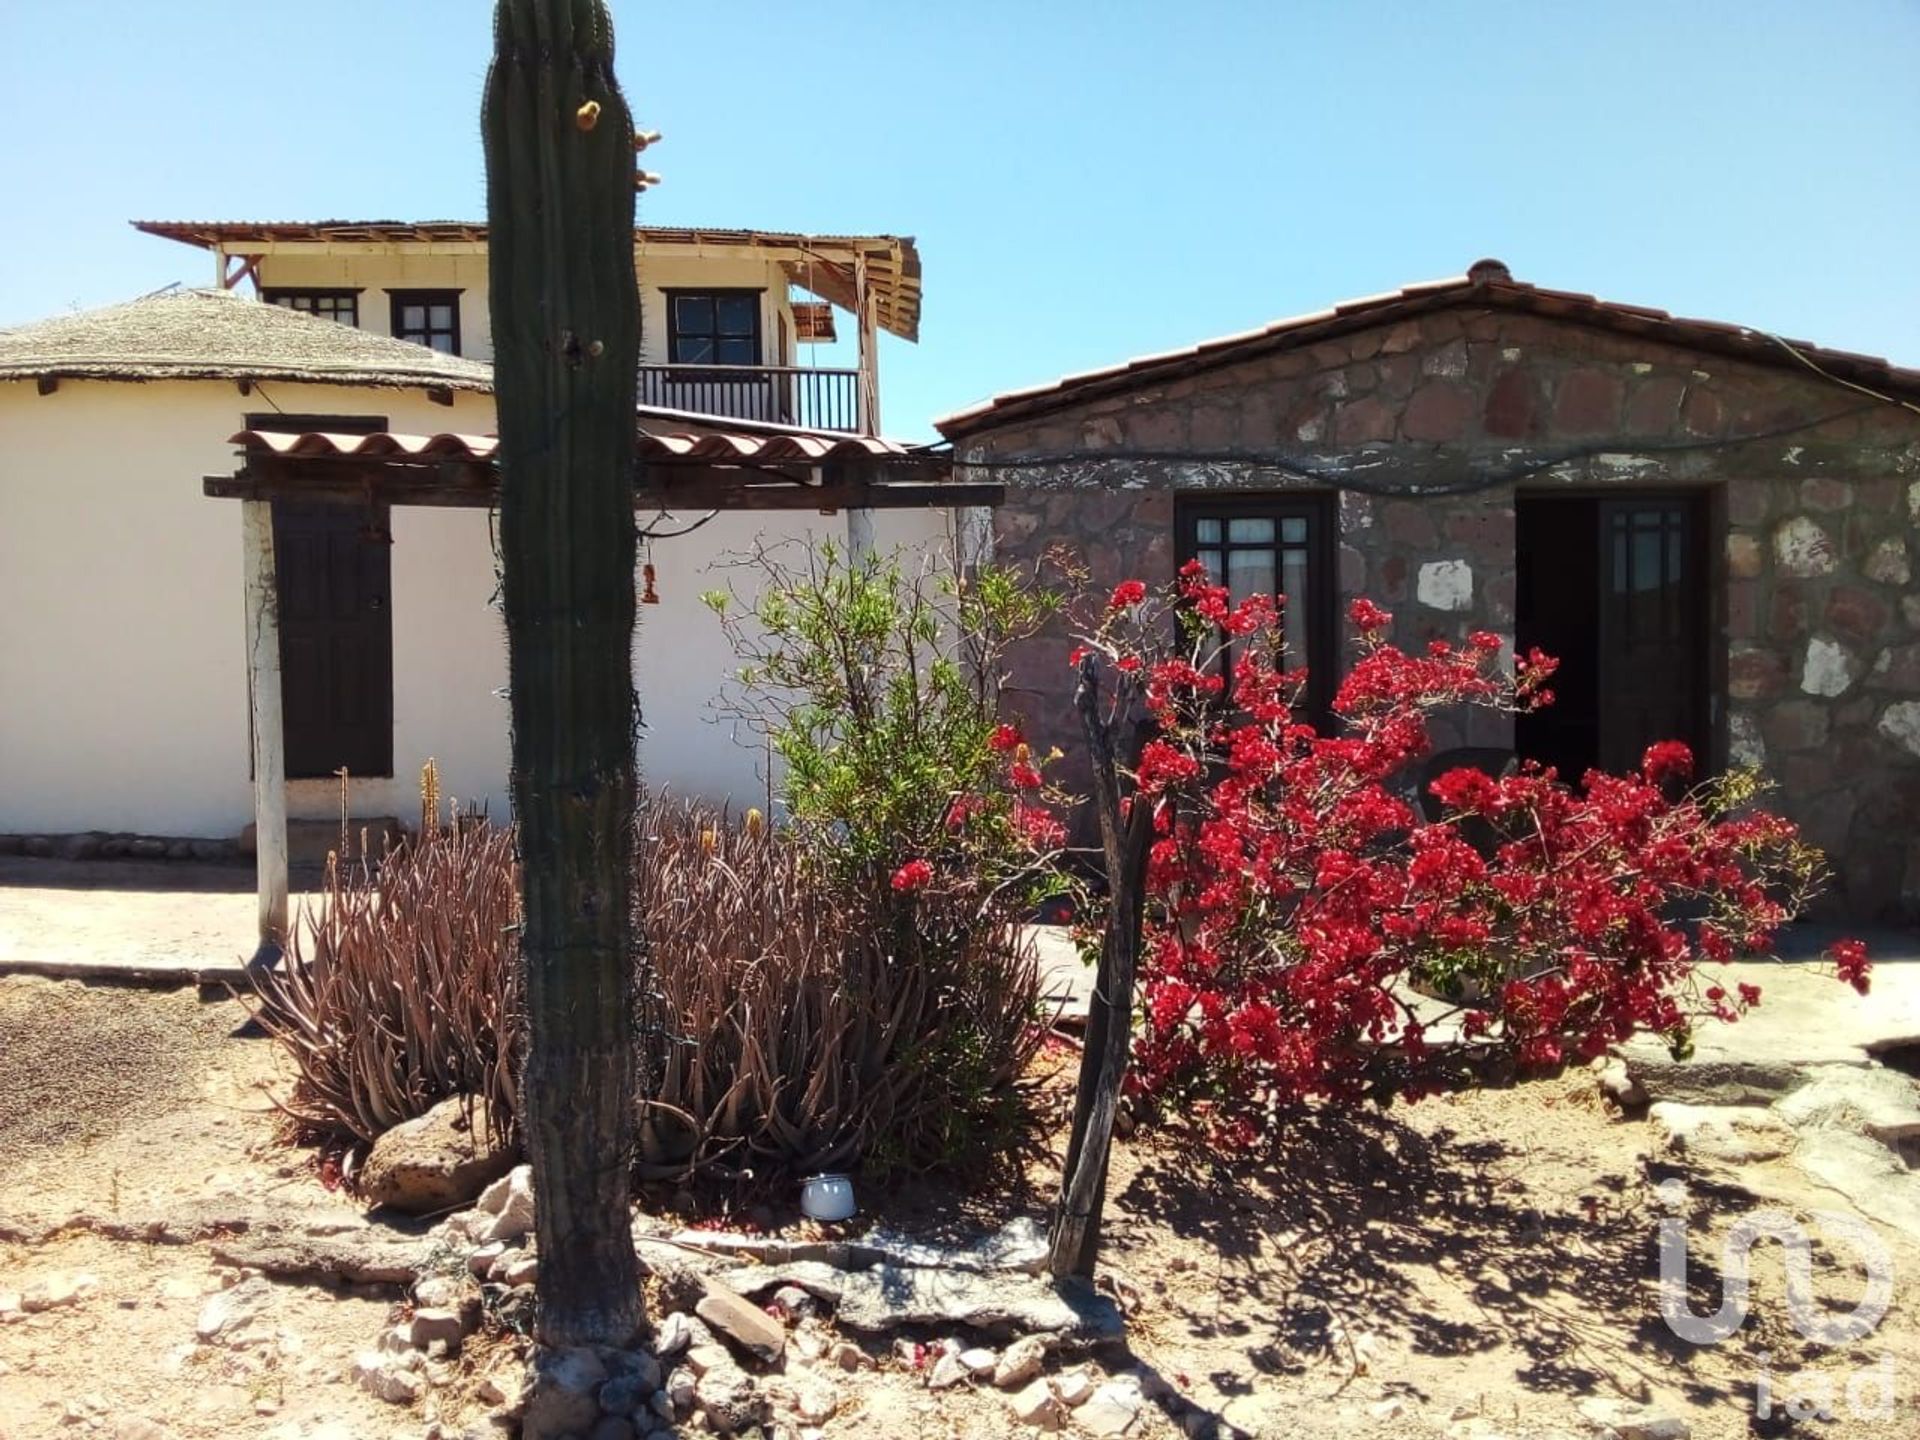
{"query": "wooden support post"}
{"type": "Point", "coordinates": [869, 337]}
{"type": "Point", "coordinates": [269, 730]}
{"type": "Point", "coordinates": [859, 535]}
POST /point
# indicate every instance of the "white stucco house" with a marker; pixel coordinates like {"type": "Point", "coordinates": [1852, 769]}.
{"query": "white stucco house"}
{"type": "Point", "coordinates": [124, 665]}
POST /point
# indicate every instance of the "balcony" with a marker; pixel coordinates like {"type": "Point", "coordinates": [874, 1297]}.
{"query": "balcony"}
{"type": "Point", "coordinates": [802, 397]}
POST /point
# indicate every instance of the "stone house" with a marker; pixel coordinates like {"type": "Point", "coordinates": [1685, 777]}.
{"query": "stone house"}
{"type": "Point", "coordinates": [1712, 527]}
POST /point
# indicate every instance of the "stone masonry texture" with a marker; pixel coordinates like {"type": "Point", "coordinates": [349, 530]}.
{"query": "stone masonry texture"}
{"type": "Point", "coordinates": [1815, 633]}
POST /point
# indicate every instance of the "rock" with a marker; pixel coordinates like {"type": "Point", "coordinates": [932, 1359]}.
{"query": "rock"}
{"type": "Point", "coordinates": [848, 1356]}
{"type": "Point", "coordinates": [429, 1325]}
{"type": "Point", "coordinates": [1629, 1420]}
{"type": "Point", "coordinates": [708, 1355]}
{"type": "Point", "coordinates": [812, 1277]}
{"type": "Point", "coordinates": [1074, 1388]}
{"type": "Point", "coordinates": [1020, 1244]}
{"type": "Point", "coordinates": [54, 1292]}
{"type": "Point", "coordinates": [1036, 1405]}
{"type": "Point", "coordinates": [11, 1307]}
{"type": "Point", "coordinates": [1619, 1086]}
{"type": "Point", "coordinates": [500, 1389]}
{"type": "Point", "coordinates": [624, 1394]}
{"type": "Point", "coordinates": [1876, 1101]}
{"type": "Point", "coordinates": [493, 1199]}
{"type": "Point", "coordinates": [1704, 1081]}
{"type": "Point", "coordinates": [435, 1161]}
{"type": "Point", "coordinates": [672, 1336]}
{"type": "Point", "coordinates": [1732, 1134]}
{"type": "Point", "coordinates": [887, 1297]}
{"type": "Point", "coordinates": [387, 1377]}
{"type": "Point", "coordinates": [729, 1401]}
{"type": "Point", "coordinates": [636, 1365]}
{"type": "Point", "coordinates": [480, 1262]}
{"type": "Point", "coordinates": [740, 1321]}
{"type": "Point", "coordinates": [611, 1427]}
{"type": "Point", "coordinates": [947, 1372]}
{"type": "Point", "coordinates": [1113, 1407]}
{"type": "Point", "coordinates": [815, 1402]}
{"type": "Point", "coordinates": [793, 1302]}
{"type": "Point", "coordinates": [234, 1309]}
{"type": "Point", "coordinates": [979, 1360]}
{"type": "Point", "coordinates": [1020, 1362]}
{"type": "Point", "coordinates": [564, 1394]}
{"type": "Point", "coordinates": [136, 1427]}
{"type": "Point", "coordinates": [514, 1218]}
{"type": "Point", "coordinates": [681, 1388]}
{"type": "Point", "coordinates": [521, 1270]}
{"type": "Point", "coordinates": [441, 1292]}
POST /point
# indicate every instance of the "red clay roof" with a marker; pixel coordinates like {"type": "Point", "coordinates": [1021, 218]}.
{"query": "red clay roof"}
{"type": "Point", "coordinates": [802, 447]}
{"type": "Point", "coordinates": [1488, 283]}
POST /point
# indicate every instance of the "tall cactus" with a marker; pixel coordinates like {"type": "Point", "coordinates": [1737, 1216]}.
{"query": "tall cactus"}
{"type": "Point", "coordinates": [566, 328]}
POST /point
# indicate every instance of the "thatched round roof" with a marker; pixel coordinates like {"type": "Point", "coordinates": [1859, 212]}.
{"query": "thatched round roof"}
{"type": "Point", "coordinates": [218, 335]}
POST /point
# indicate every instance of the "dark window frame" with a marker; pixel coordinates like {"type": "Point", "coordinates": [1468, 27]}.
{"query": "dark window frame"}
{"type": "Point", "coordinates": [449, 298]}
{"type": "Point", "coordinates": [675, 335]}
{"type": "Point", "coordinates": [285, 295]}
{"type": "Point", "coordinates": [1320, 510]}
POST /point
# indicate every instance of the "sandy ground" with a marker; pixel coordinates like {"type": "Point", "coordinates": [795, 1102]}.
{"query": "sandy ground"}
{"type": "Point", "coordinates": [1470, 1267]}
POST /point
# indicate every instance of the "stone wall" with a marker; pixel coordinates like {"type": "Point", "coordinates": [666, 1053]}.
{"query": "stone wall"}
{"type": "Point", "coordinates": [1428, 428]}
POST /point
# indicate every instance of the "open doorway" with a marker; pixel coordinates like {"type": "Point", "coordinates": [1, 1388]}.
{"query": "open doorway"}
{"type": "Point", "coordinates": [1616, 587]}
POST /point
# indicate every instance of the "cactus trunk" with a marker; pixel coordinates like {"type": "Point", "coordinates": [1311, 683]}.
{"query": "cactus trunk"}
{"type": "Point", "coordinates": [565, 308]}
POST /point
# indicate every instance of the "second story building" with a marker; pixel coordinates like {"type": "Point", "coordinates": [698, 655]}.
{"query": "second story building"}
{"type": "Point", "coordinates": [731, 320]}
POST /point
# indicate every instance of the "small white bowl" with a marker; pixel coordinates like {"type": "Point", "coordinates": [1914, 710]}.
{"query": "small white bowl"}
{"type": "Point", "coordinates": [827, 1197]}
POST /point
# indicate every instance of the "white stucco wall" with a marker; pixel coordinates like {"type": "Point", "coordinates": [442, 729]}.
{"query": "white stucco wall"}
{"type": "Point", "coordinates": [123, 699]}
{"type": "Point", "coordinates": [377, 272]}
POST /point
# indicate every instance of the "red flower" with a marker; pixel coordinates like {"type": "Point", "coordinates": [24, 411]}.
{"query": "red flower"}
{"type": "Point", "coordinates": [1850, 963]}
{"type": "Point", "coordinates": [1667, 760]}
{"type": "Point", "coordinates": [1368, 617]}
{"type": "Point", "coordinates": [1003, 739]}
{"type": "Point", "coordinates": [1023, 776]}
{"type": "Point", "coordinates": [1127, 593]}
{"type": "Point", "coordinates": [913, 875]}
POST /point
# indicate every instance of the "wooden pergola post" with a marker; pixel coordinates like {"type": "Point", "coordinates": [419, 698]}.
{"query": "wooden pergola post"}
{"type": "Point", "coordinates": [860, 521]}
{"type": "Point", "coordinates": [269, 730]}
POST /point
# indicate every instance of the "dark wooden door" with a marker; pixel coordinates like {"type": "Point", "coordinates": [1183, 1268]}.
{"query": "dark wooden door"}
{"type": "Point", "coordinates": [335, 566]}
{"type": "Point", "coordinates": [1652, 631]}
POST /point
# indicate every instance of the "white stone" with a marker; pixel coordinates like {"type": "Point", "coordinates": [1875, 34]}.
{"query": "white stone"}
{"type": "Point", "coordinates": [1630, 1421]}
{"type": "Point", "coordinates": [848, 1356]}
{"type": "Point", "coordinates": [1829, 668]}
{"type": "Point", "coordinates": [1803, 549]}
{"type": "Point", "coordinates": [1889, 563]}
{"type": "Point", "coordinates": [1074, 1388]}
{"type": "Point", "coordinates": [680, 1388]}
{"type": "Point", "coordinates": [1745, 747]}
{"type": "Point", "coordinates": [815, 1402]}
{"type": "Point", "coordinates": [429, 1324]}
{"type": "Point", "coordinates": [1020, 1362]}
{"type": "Point", "coordinates": [386, 1377]}
{"type": "Point", "coordinates": [1901, 724]}
{"type": "Point", "coordinates": [1112, 1409]}
{"type": "Point", "coordinates": [674, 1335]}
{"type": "Point", "coordinates": [948, 1371]}
{"type": "Point", "coordinates": [1734, 1134]}
{"type": "Point", "coordinates": [515, 1216]}
{"type": "Point", "coordinates": [1446, 585]}
{"type": "Point", "coordinates": [979, 1360]}
{"type": "Point", "coordinates": [480, 1262]}
{"type": "Point", "coordinates": [523, 1270]}
{"type": "Point", "coordinates": [493, 1199]}
{"type": "Point", "coordinates": [1868, 1101]}
{"type": "Point", "coordinates": [1035, 1405]}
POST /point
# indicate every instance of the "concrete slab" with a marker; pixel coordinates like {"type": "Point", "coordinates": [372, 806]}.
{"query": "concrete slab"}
{"type": "Point", "coordinates": [127, 921]}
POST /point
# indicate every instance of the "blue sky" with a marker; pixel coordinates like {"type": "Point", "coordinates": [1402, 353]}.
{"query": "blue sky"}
{"type": "Point", "coordinates": [1087, 181]}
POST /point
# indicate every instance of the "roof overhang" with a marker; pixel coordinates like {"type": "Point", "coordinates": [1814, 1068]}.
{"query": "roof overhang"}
{"type": "Point", "coordinates": [674, 470]}
{"type": "Point", "coordinates": [828, 266]}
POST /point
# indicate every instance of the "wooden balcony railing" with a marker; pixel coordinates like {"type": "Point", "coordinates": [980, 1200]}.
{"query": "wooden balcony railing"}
{"type": "Point", "coordinates": [781, 394]}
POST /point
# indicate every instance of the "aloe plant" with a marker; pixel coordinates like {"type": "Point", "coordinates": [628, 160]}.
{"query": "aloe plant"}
{"type": "Point", "coordinates": [566, 326]}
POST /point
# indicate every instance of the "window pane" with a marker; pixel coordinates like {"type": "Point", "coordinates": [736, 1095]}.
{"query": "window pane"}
{"type": "Point", "coordinates": [443, 343]}
{"type": "Point", "coordinates": [738, 314]}
{"type": "Point", "coordinates": [1293, 530]}
{"type": "Point", "coordinates": [693, 350]}
{"type": "Point", "coordinates": [1250, 531]}
{"type": "Point", "coordinates": [1211, 559]}
{"type": "Point", "coordinates": [1293, 585]}
{"type": "Point", "coordinates": [736, 351]}
{"type": "Point", "coordinates": [440, 317]}
{"type": "Point", "coordinates": [413, 318]}
{"type": "Point", "coordinates": [693, 314]}
{"type": "Point", "coordinates": [1207, 532]}
{"type": "Point", "coordinates": [1249, 572]}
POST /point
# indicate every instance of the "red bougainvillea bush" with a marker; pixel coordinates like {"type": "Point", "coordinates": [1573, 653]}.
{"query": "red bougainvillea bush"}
{"type": "Point", "coordinates": [1299, 910]}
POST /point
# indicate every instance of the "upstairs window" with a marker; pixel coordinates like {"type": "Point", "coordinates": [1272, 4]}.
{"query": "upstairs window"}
{"type": "Point", "coordinates": [428, 317]}
{"type": "Point", "coordinates": [1280, 545]}
{"type": "Point", "coordinates": [713, 327]}
{"type": "Point", "coordinates": [340, 305]}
